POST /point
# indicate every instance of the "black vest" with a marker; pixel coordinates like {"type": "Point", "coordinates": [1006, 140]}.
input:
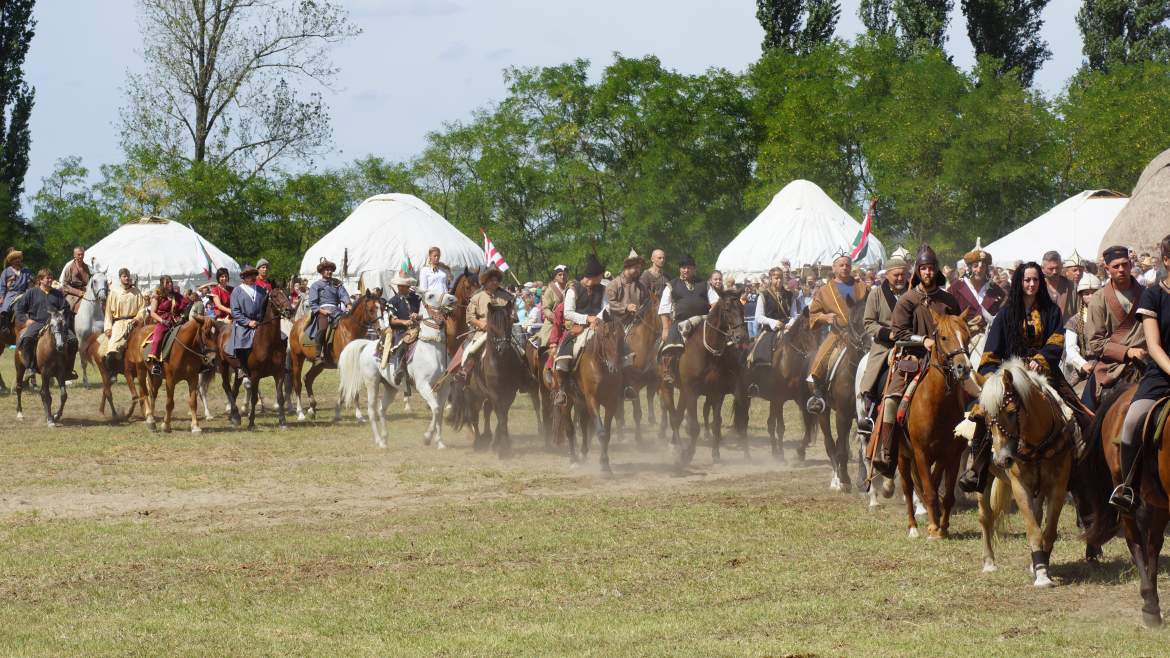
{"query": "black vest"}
{"type": "Point", "coordinates": [777, 310]}
{"type": "Point", "coordinates": [688, 303]}
{"type": "Point", "coordinates": [591, 300]}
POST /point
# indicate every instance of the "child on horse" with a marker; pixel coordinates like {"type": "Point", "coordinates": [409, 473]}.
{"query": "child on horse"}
{"type": "Point", "coordinates": [166, 308]}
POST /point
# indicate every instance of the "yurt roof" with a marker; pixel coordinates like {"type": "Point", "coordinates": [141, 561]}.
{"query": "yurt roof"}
{"type": "Point", "coordinates": [151, 247]}
{"type": "Point", "coordinates": [1146, 218]}
{"type": "Point", "coordinates": [801, 224]}
{"type": "Point", "coordinates": [386, 230]}
{"type": "Point", "coordinates": [1076, 224]}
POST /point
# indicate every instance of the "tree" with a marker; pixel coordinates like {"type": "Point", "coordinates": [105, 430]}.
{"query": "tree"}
{"type": "Point", "coordinates": [16, 102]}
{"type": "Point", "coordinates": [797, 26]}
{"type": "Point", "coordinates": [67, 213]}
{"type": "Point", "coordinates": [875, 16]}
{"type": "Point", "coordinates": [1124, 31]}
{"type": "Point", "coordinates": [1008, 30]}
{"type": "Point", "coordinates": [923, 21]}
{"type": "Point", "coordinates": [219, 80]}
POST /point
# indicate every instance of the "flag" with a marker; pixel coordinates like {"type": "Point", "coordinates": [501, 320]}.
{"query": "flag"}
{"type": "Point", "coordinates": [861, 240]}
{"type": "Point", "coordinates": [406, 269]}
{"type": "Point", "coordinates": [202, 255]}
{"type": "Point", "coordinates": [491, 255]}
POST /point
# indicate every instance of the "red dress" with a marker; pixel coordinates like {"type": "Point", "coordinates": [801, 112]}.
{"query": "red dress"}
{"type": "Point", "coordinates": [224, 295]}
{"type": "Point", "coordinates": [170, 309]}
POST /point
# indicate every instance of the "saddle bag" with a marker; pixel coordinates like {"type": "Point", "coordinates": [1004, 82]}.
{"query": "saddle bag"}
{"type": "Point", "coordinates": [908, 364]}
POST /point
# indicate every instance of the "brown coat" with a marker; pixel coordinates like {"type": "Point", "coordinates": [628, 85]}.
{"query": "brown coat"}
{"type": "Point", "coordinates": [1065, 296]}
{"type": "Point", "coordinates": [828, 301]}
{"type": "Point", "coordinates": [621, 293]}
{"type": "Point", "coordinates": [74, 279]}
{"type": "Point", "coordinates": [912, 317]}
{"type": "Point", "coordinates": [1112, 332]}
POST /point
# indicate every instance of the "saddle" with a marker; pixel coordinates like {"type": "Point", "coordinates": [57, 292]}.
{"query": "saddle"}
{"type": "Point", "coordinates": [1153, 425]}
{"type": "Point", "coordinates": [168, 341]}
{"type": "Point", "coordinates": [307, 341]}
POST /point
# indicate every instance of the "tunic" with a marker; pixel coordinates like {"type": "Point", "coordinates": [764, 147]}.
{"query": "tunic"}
{"type": "Point", "coordinates": [329, 295]}
{"type": "Point", "coordinates": [655, 282]}
{"type": "Point", "coordinates": [775, 310]}
{"type": "Point", "coordinates": [401, 307]}
{"type": "Point", "coordinates": [264, 283]}
{"type": "Point", "coordinates": [224, 295]}
{"type": "Point", "coordinates": [245, 307]}
{"type": "Point", "coordinates": [1112, 330]}
{"type": "Point", "coordinates": [621, 293]}
{"type": "Point", "coordinates": [480, 305]}
{"type": "Point", "coordinates": [983, 303]}
{"type": "Point", "coordinates": [1065, 295]}
{"type": "Point", "coordinates": [170, 309]}
{"type": "Point", "coordinates": [37, 305]}
{"type": "Point", "coordinates": [912, 317]}
{"type": "Point", "coordinates": [830, 299]}
{"type": "Point", "coordinates": [683, 300]}
{"type": "Point", "coordinates": [1155, 303]}
{"type": "Point", "coordinates": [583, 301]}
{"type": "Point", "coordinates": [74, 279]}
{"type": "Point", "coordinates": [13, 283]}
{"type": "Point", "coordinates": [122, 306]}
{"type": "Point", "coordinates": [879, 312]}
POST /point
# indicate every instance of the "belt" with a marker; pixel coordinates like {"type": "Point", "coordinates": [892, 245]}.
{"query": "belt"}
{"type": "Point", "coordinates": [124, 317]}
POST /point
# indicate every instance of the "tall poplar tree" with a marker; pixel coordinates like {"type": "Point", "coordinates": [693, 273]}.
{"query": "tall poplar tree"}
{"type": "Point", "coordinates": [1009, 30]}
{"type": "Point", "coordinates": [16, 103]}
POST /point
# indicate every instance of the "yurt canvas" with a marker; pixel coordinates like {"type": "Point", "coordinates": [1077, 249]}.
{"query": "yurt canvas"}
{"type": "Point", "coordinates": [801, 224]}
{"type": "Point", "coordinates": [1146, 218]}
{"type": "Point", "coordinates": [384, 232]}
{"type": "Point", "coordinates": [1075, 224]}
{"type": "Point", "coordinates": [154, 246]}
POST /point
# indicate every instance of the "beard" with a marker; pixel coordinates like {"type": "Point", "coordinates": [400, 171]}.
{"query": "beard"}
{"type": "Point", "coordinates": [899, 287]}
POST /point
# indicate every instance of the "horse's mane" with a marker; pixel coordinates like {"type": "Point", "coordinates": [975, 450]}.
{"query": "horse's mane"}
{"type": "Point", "coordinates": [1027, 385]}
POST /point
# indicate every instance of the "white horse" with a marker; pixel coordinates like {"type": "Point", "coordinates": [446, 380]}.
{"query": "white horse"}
{"type": "Point", "coordinates": [91, 315]}
{"type": "Point", "coordinates": [358, 365]}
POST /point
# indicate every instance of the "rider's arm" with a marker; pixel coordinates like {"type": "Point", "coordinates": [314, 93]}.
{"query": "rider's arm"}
{"type": "Point", "coordinates": [571, 314]}
{"type": "Point", "coordinates": [880, 333]}
{"type": "Point", "coordinates": [665, 309]}
{"type": "Point", "coordinates": [154, 309]}
{"type": "Point", "coordinates": [763, 320]}
{"type": "Point", "coordinates": [1072, 350]}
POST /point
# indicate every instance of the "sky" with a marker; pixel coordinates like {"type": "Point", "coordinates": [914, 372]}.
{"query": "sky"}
{"type": "Point", "coordinates": [419, 63]}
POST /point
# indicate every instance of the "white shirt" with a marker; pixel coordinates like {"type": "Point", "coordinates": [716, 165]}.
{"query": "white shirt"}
{"type": "Point", "coordinates": [431, 278]}
{"type": "Point", "coordinates": [666, 304]}
{"type": "Point", "coordinates": [571, 313]}
{"type": "Point", "coordinates": [773, 324]}
{"type": "Point", "coordinates": [1072, 350]}
{"type": "Point", "coordinates": [979, 295]}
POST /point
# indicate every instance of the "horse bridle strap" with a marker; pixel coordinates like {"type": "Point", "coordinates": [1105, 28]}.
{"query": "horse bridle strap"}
{"type": "Point", "coordinates": [1051, 446]}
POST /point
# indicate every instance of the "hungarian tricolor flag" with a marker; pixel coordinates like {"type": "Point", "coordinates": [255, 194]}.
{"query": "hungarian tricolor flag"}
{"type": "Point", "coordinates": [406, 269]}
{"type": "Point", "coordinates": [202, 255]}
{"type": "Point", "coordinates": [492, 256]}
{"type": "Point", "coordinates": [861, 240]}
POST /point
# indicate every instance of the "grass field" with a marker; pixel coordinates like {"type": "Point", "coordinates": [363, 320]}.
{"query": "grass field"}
{"type": "Point", "coordinates": [117, 540]}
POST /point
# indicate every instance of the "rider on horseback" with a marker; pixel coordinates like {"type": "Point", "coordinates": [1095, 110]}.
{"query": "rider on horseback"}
{"type": "Point", "coordinates": [74, 279]}
{"type": "Point", "coordinates": [328, 300]}
{"type": "Point", "coordinates": [554, 293]}
{"type": "Point", "coordinates": [478, 307]}
{"type": "Point", "coordinates": [1116, 339]}
{"type": "Point", "coordinates": [14, 282]}
{"type": "Point", "coordinates": [775, 313]}
{"type": "Point", "coordinates": [123, 306]}
{"type": "Point", "coordinates": [403, 308]}
{"type": "Point", "coordinates": [913, 325]}
{"type": "Point", "coordinates": [248, 304]}
{"type": "Point", "coordinates": [830, 307]}
{"type": "Point", "coordinates": [627, 296]}
{"type": "Point", "coordinates": [683, 300]}
{"type": "Point", "coordinates": [879, 311]}
{"type": "Point", "coordinates": [166, 308]}
{"type": "Point", "coordinates": [36, 306]}
{"type": "Point", "coordinates": [976, 293]}
{"type": "Point", "coordinates": [585, 305]}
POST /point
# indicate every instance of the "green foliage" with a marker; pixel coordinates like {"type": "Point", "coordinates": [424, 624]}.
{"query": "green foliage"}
{"type": "Point", "coordinates": [1008, 30]}
{"type": "Point", "coordinates": [923, 23]}
{"type": "Point", "coordinates": [66, 213]}
{"type": "Point", "coordinates": [797, 26]}
{"type": "Point", "coordinates": [1124, 31]}
{"type": "Point", "coordinates": [875, 16]}
{"type": "Point", "coordinates": [16, 102]}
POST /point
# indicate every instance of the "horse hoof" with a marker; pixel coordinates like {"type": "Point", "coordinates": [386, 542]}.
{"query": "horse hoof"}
{"type": "Point", "coordinates": [19, 416]}
{"type": "Point", "coordinates": [439, 445]}
{"type": "Point", "coordinates": [50, 424]}
{"type": "Point", "coordinates": [196, 430]}
{"type": "Point", "coordinates": [888, 489]}
{"type": "Point", "coordinates": [846, 486]}
{"type": "Point", "coordinates": [300, 416]}
{"type": "Point", "coordinates": [1151, 619]}
{"type": "Point", "coordinates": [989, 567]}
{"type": "Point", "coordinates": [1043, 581]}
{"type": "Point", "coordinates": [873, 504]}
{"type": "Point", "coordinates": [913, 533]}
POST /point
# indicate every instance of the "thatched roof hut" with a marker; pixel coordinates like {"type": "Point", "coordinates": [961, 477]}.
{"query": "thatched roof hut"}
{"type": "Point", "coordinates": [1145, 220]}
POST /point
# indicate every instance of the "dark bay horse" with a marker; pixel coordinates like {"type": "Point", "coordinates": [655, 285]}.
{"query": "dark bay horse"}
{"type": "Point", "coordinates": [840, 399]}
{"type": "Point", "coordinates": [641, 337]}
{"type": "Point", "coordinates": [783, 380]}
{"type": "Point", "coordinates": [193, 349]}
{"type": "Point", "coordinates": [456, 323]}
{"type": "Point", "coordinates": [540, 393]}
{"type": "Point", "coordinates": [54, 361]}
{"type": "Point", "coordinates": [364, 312]}
{"type": "Point", "coordinates": [492, 387]}
{"type": "Point", "coordinates": [265, 360]}
{"type": "Point", "coordinates": [710, 365]}
{"type": "Point", "coordinates": [595, 391]}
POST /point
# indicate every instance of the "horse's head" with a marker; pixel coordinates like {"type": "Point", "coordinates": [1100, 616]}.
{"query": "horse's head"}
{"type": "Point", "coordinates": [208, 333]}
{"type": "Point", "coordinates": [368, 307]}
{"type": "Point", "coordinates": [728, 315]}
{"type": "Point", "coordinates": [951, 337]}
{"type": "Point", "coordinates": [607, 344]}
{"type": "Point", "coordinates": [279, 300]}
{"type": "Point", "coordinates": [464, 287]}
{"type": "Point", "coordinates": [99, 287]}
{"type": "Point", "coordinates": [859, 338]}
{"type": "Point", "coordinates": [1011, 405]}
{"type": "Point", "coordinates": [499, 325]}
{"type": "Point", "coordinates": [58, 328]}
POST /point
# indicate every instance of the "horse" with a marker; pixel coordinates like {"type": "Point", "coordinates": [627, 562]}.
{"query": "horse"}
{"type": "Point", "coordinates": [840, 397]}
{"type": "Point", "coordinates": [54, 361]}
{"type": "Point", "coordinates": [193, 348]}
{"type": "Point", "coordinates": [540, 393]}
{"type": "Point", "coordinates": [708, 367]}
{"type": "Point", "coordinates": [456, 324]}
{"type": "Point", "coordinates": [492, 385]}
{"type": "Point", "coordinates": [641, 336]}
{"type": "Point", "coordinates": [1032, 441]}
{"type": "Point", "coordinates": [783, 380]}
{"type": "Point", "coordinates": [91, 354]}
{"type": "Point", "coordinates": [359, 365]}
{"type": "Point", "coordinates": [929, 452]}
{"type": "Point", "coordinates": [8, 336]}
{"type": "Point", "coordinates": [596, 383]}
{"type": "Point", "coordinates": [364, 312]}
{"type": "Point", "coordinates": [90, 317]}
{"type": "Point", "coordinates": [265, 360]}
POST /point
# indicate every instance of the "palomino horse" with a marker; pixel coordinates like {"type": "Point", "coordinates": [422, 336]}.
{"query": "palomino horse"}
{"type": "Point", "coordinates": [596, 383]}
{"type": "Point", "coordinates": [492, 385]}
{"type": "Point", "coordinates": [265, 360]}
{"type": "Point", "coordinates": [710, 365]}
{"type": "Point", "coordinates": [783, 380]}
{"type": "Point", "coordinates": [456, 324]}
{"type": "Point", "coordinates": [352, 325]}
{"type": "Point", "coordinates": [1032, 444]}
{"type": "Point", "coordinates": [90, 317]}
{"type": "Point", "coordinates": [193, 348]}
{"type": "Point", "coordinates": [930, 453]}
{"type": "Point", "coordinates": [840, 398]}
{"type": "Point", "coordinates": [54, 361]}
{"type": "Point", "coordinates": [641, 335]}
{"type": "Point", "coordinates": [360, 366]}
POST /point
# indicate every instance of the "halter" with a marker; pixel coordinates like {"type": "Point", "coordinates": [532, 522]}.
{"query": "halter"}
{"type": "Point", "coordinates": [949, 370]}
{"type": "Point", "coordinates": [726, 334]}
{"type": "Point", "coordinates": [1053, 444]}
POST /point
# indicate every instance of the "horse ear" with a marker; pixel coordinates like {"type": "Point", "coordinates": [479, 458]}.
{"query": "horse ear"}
{"type": "Point", "coordinates": [1006, 378]}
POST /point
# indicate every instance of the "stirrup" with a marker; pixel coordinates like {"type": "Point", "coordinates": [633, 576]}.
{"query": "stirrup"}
{"type": "Point", "coordinates": [970, 482]}
{"type": "Point", "coordinates": [865, 425]}
{"type": "Point", "coordinates": [753, 390]}
{"type": "Point", "coordinates": [1124, 499]}
{"type": "Point", "coordinates": [815, 405]}
{"type": "Point", "coordinates": [560, 398]}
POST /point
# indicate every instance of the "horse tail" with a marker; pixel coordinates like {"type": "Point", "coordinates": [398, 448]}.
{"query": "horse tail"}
{"type": "Point", "coordinates": [1001, 497]}
{"type": "Point", "coordinates": [349, 369]}
{"type": "Point", "coordinates": [460, 407]}
{"type": "Point", "coordinates": [1091, 481]}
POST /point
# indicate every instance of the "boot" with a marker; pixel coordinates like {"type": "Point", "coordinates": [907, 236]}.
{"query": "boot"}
{"type": "Point", "coordinates": [815, 404]}
{"type": "Point", "coordinates": [885, 452]}
{"type": "Point", "coordinates": [560, 373]}
{"type": "Point", "coordinates": [1125, 497]}
{"type": "Point", "coordinates": [865, 423]}
{"type": "Point", "coordinates": [974, 479]}
{"type": "Point", "coordinates": [666, 368]}
{"type": "Point", "coordinates": [464, 372]}
{"type": "Point", "coordinates": [29, 352]}
{"type": "Point", "coordinates": [399, 371]}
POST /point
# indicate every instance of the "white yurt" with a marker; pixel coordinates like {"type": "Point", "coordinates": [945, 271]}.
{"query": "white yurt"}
{"type": "Point", "coordinates": [383, 232]}
{"type": "Point", "coordinates": [154, 246]}
{"type": "Point", "coordinates": [801, 224]}
{"type": "Point", "coordinates": [1076, 224]}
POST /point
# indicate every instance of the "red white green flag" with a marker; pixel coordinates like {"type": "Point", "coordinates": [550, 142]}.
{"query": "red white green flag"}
{"type": "Point", "coordinates": [406, 269]}
{"type": "Point", "coordinates": [202, 255]}
{"type": "Point", "coordinates": [861, 240]}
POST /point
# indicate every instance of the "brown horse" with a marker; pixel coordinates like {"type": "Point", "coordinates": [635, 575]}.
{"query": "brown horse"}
{"type": "Point", "coordinates": [364, 312]}
{"type": "Point", "coordinates": [840, 399]}
{"type": "Point", "coordinates": [710, 365]}
{"type": "Point", "coordinates": [540, 393]}
{"type": "Point", "coordinates": [193, 348]}
{"type": "Point", "coordinates": [54, 361]}
{"type": "Point", "coordinates": [783, 381]}
{"type": "Point", "coordinates": [456, 323]}
{"type": "Point", "coordinates": [492, 385]}
{"type": "Point", "coordinates": [91, 354]}
{"type": "Point", "coordinates": [265, 360]}
{"type": "Point", "coordinates": [929, 452]}
{"type": "Point", "coordinates": [596, 384]}
{"type": "Point", "coordinates": [641, 337]}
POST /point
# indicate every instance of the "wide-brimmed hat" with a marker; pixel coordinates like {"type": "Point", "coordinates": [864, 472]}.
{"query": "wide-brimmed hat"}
{"type": "Point", "coordinates": [249, 270]}
{"type": "Point", "coordinates": [12, 255]}
{"type": "Point", "coordinates": [326, 265]}
{"type": "Point", "coordinates": [593, 267]}
{"type": "Point", "coordinates": [402, 280]}
{"type": "Point", "coordinates": [977, 254]}
{"type": "Point", "coordinates": [489, 274]}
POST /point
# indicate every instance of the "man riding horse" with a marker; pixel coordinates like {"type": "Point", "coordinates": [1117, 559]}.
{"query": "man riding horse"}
{"type": "Point", "coordinates": [36, 306]}
{"type": "Point", "coordinates": [830, 308]}
{"type": "Point", "coordinates": [14, 282]}
{"type": "Point", "coordinates": [328, 300]}
{"type": "Point", "coordinates": [403, 310]}
{"type": "Point", "coordinates": [123, 306]}
{"type": "Point", "coordinates": [554, 294]}
{"type": "Point", "coordinates": [878, 318]}
{"type": "Point", "coordinates": [585, 306]}
{"type": "Point", "coordinates": [627, 297]}
{"type": "Point", "coordinates": [913, 326]}
{"type": "Point", "coordinates": [976, 293]}
{"type": "Point", "coordinates": [249, 301]}
{"type": "Point", "coordinates": [775, 313]}
{"type": "Point", "coordinates": [683, 300]}
{"type": "Point", "coordinates": [478, 307]}
{"type": "Point", "coordinates": [1116, 339]}
{"type": "Point", "coordinates": [74, 279]}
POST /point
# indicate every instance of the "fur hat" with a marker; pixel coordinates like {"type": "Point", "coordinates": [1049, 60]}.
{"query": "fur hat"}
{"type": "Point", "coordinates": [896, 263]}
{"type": "Point", "coordinates": [593, 267]}
{"type": "Point", "coordinates": [326, 264]}
{"type": "Point", "coordinates": [1089, 281]}
{"type": "Point", "coordinates": [12, 255]}
{"type": "Point", "coordinates": [402, 280]}
{"type": "Point", "coordinates": [489, 274]}
{"type": "Point", "coordinates": [977, 254]}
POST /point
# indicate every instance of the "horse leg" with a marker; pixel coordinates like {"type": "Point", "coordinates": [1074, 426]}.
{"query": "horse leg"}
{"type": "Point", "coordinates": [707, 406]}
{"type": "Point", "coordinates": [434, 429]}
{"type": "Point", "coordinates": [503, 434]}
{"type": "Point", "coordinates": [603, 436]}
{"type": "Point", "coordinates": [253, 402]}
{"type": "Point", "coordinates": [950, 476]}
{"type": "Point", "coordinates": [636, 405]}
{"type": "Point", "coordinates": [64, 396]}
{"type": "Point", "coordinates": [309, 379]}
{"type": "Point", "coordinates": [929, 496]}
{"type": "Point", "coordinates": [691, 409]}
{"type": "Point", "coordinates": [844, 424]}
{"type": "Point", "coordinates": [193, 403]}
{"type": "Point", "coordinates": [716, 404]}
{"type": "Point", "coordinates": [295, 366]}
{"type": "Point", "coordinates": [566, 422]}
{"type": "Point", "coordinates": [280, 400]}
{"type": "Point", "coordinates": [372, 386]}
{"type": "Point", "coordinates": [987, 518]}
{"type": "Point", "coordinates": [205, 382]}
{"type": "Point", "coordinates": [1156, 535]}
{"type": "Point", "coordinates": [824, 422]}
{"type": "Point", "coordinates": [650, 405]}
{"type": "Point", "coordinates": [229, 392]}
{"type": "Point", "coordinates": [170, 386]}
{"type": "Point", "coordinates": [905, 466]}
{"type": "Point", "coordinates": [47, 399]}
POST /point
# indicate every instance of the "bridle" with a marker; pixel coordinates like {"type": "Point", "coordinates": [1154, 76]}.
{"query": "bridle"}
{"type": "Point", "coordinates": [953, 371]}
{"type": "Point", "coordinates": [1052, 444]}
{"type": "Point", "coordinates": [732, 328]}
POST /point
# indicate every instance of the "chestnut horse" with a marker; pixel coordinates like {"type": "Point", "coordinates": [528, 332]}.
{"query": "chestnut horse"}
{"type": "Point", "coordinates": [710, 365]}
{"type": "Point", "coordinates": [91, 354]}
{"type": "Point", "coordinates": [365, 311]}
{"type": "Point", "coordinates": [492, 385]}
{"type": "Point", "coordinates": [839, 397]}
{"type": "Point", "coordinates": [783, 380]}
{"type": "Point", "coordinates": [641, 335]}
{"type": "Point", "coordinates": [929, 452]}
{"type": "Point", "coordinates": [265, 360]}
{"type": "Point", "coordinates": [54, 361]}
{"type": "Point", "coordinates": [596, 383]}
{"type": "Point", "coordinates": [193, 349]}
{"type": "Point", "coordinates": [540, 394]}
{"type": "Point", "coordinates": [456, 323]}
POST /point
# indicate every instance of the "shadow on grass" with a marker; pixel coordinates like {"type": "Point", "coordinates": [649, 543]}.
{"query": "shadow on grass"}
{"type": "Point", "coordinates": [1106, 572]}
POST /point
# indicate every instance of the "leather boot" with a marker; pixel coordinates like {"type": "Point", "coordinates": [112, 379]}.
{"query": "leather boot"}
{"type": "Point", "coordinates": [815, 404]}
{"type": "Point", "coordinates": [666, 368]}
{"type": "Point", "coordinates": [885, 453]}
{"type": "Point", "coordinates": [865, 424]}
{"type": "Point", "coordinates": [29, 352]}
{"type": "Point", "coordinates": [464, 372]}
{"type": "Point", "coordinates": [974, 479]}
{"type": "Point", "coordinates": [560, 397]}
{"type": "Point", "coordinates": [1125, 497]}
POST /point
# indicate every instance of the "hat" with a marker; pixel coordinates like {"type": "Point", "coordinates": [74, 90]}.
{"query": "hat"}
{"type": "Point", "coordinates": [1114, 252]}
{"type": "Point", "coordinates": [402, 280]}
{"type": "Point", "coordinates": [901, 251]}
{"type": "Point", "coordinates": [325, 264]}
{"type": "Point", "coordinates": [489, 274]}
{"type": "Point", "coordinates": [560, 268]}
{"type": "Point", "coordinates": [895, 263]}
{"type": "Point", "coordinates": [248, 271]}
{"type": "Point", "coordinates": [1147, 261]}
{"type": "Point", "coordinates": [1089, 281]}
{"type": "Point", "coordinates": [977, 254]}
{"type": "Point", "coordinates": [12, 255]}
{"type": "Point", "coordinates": [633, 259]}
{"type": "Point", "coordinates": [1074, 260]}
{"type": "Point", "coordinates": [686, 261]}
{"type": "Point", "coordinates": [262, 262]}
{"type": "Point", "coordinates": [593, 267]}
{"type": "Point", "coordinates": [1050, 256]}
